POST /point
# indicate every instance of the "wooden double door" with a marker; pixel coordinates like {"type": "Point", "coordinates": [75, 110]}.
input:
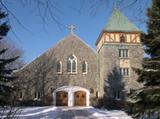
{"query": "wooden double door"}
{"type": "Point", "coordinates": [61, 98]}
{"type": "Point", "coordinates": [80, 98]}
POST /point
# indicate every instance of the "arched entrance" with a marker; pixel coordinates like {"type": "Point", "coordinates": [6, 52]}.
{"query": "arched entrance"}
{"type": "Point", "coordinates": [71, 96]}
{"type": "Point", "coordinates": [79, 98]}
{"type": "Point", "coordinates": [61, 98]}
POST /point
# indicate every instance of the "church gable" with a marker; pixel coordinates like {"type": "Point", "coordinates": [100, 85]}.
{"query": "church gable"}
{"type": "Point", "coordinates": [68, 45]}
{"type": "Point", "coordinates": [71, 46]}
{"type": "Point", "coordinates": [70, 42]}
{"type": "Point", "coordinates": [69, 62]}
{"type": "Point", "coordinates": [78, 61]}
{"type": "Point", "coordinates": [56, 58]}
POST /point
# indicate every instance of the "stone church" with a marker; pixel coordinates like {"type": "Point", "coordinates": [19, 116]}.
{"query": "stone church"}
{"type": "Point", "coordinates": [73, 74]}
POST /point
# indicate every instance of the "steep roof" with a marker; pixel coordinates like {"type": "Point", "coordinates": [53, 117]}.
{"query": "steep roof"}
{"type": "Point", "coordinates": [119, 22]}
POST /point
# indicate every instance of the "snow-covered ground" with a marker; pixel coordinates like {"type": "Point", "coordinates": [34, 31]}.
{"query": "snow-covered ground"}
{"type": "Point", "coordinates": [105, 114]}
{"type": "Point", "coordinates": [51, 112]}
{"type": "Point", "coordinates": [39, 113]}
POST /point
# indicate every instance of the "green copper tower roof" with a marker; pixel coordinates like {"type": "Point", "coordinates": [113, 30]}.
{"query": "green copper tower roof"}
{"type": "Point", "coordinates": [119, 22]}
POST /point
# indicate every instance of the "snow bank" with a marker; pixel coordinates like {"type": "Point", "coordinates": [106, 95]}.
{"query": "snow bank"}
{"type": "Point", "coordinates": [38, 113]}
{"type": "Point", "coordinates": [47, 112]}
{"type": "Point", "coordinates": [105, 114]}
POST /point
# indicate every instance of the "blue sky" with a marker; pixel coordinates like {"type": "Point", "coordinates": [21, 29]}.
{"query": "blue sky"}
{"type": "Point", "coordinates": [39, 36]}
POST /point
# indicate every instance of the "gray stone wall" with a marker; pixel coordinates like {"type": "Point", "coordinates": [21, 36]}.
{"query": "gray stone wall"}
{"type": "Point", "coordinates": [41, 75]}
{"type": "Point", "coordinates": [109, 63]}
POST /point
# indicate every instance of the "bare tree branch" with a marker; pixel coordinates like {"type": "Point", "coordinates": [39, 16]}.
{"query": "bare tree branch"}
{"type": "Point", "coordinates": [11, 52]}
{"type": "Point", "coordinates": [10, 12]}
{"type": "Point", "coordinates": [130, 4]}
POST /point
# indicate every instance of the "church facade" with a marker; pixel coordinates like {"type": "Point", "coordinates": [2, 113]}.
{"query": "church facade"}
{"type": "Point", "coordinates": [73, 74]}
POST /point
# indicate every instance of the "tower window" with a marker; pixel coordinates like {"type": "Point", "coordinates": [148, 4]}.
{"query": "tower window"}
{"type": "Point", "coordinates": [122, 39]}
{"type": "Point", "coordinates": [72, 64]}
{"type": "Point", "coordinates": [124, 71]}
{"type": "Point", "coordinates": [123, 53]}
{"type": "Point", "coordinates": [84, 67]}
{"type": "Point", "coordinates": [59, 67]}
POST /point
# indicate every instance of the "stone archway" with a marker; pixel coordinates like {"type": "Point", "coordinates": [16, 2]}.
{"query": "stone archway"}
{"type": "Point", "coordinates": [79, 98]}
{"type": "Point", "coordinates": [61, 98]}
{"type": "Point", "coordinates": [71, 96]}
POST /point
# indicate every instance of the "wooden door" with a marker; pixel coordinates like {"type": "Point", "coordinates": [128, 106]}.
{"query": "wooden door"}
{"type": "Point", "coordinates": [80, 98]}
{"type": "Point", "coordinates": [61, 98]}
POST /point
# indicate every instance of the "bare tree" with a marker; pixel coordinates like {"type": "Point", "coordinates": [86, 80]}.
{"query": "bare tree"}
{"type": "Point", "coordinates": [46, 9]}
{"type": "Point", "coordinates": [12, 51]}
{"type": "Point", "coordinates": [32, 79]}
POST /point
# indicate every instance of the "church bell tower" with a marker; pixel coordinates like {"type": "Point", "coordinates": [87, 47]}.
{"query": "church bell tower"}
{"type": "Point", "coordinates": [119, 51]}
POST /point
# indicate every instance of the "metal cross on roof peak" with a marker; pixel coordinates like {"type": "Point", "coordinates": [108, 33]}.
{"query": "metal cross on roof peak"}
{"type": "Point", "coordinates": [72, 28]}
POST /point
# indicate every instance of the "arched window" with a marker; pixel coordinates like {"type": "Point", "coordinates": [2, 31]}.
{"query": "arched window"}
{"type": "Point", "coordinates": [72, 64]}
{"type": "Point", "coordinates": [59, 67]}
{"type": "Point", "coordinates": [122, 39]}
{"type": "Point", "coordinates": [84, 67]}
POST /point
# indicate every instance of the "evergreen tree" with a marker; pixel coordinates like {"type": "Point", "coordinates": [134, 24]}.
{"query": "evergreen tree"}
{"type": "Point", "coordinates": [5, 73]}
{"type": "Point", "coordinates": [147, 99]}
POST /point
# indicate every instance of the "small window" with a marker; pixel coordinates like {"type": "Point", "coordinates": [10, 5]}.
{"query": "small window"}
{"type": "Point", "coordinates": [37, 95]}
{"type": "Point", "coordinates": [84, 67]}
{"type": "Point", "coordinates": [123, 53]}
{"type": "Point", "coordinates": [72, 64]}
{"type": "Point", "coordinates": [122, 39]}
{"type": "Point", "coordinates": [124, 71]}
{"type": "Point", "coordinates": [59, 67]}
{"type": "Point", "coordinates": [21, 94]}
{"type": "Point", "coordinates": [97, 94]}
